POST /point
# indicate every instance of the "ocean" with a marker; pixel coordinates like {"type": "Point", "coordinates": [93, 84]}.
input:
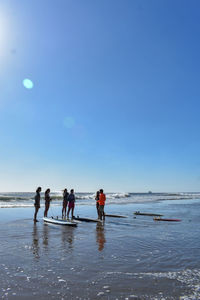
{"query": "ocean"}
{"type": "Point", "coordinates": [130, 258]}
{"type": "Point", "coordinates": [11, 200]}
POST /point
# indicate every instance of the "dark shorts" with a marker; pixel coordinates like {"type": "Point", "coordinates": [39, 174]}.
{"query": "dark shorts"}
{"type": "Point", "coordinates": [97, 205]}
{"type": "Point", "coordinates": [71, 204]}
{"type": "Point", "coordinates": [47, 204]}
{"type": "Point", "coordinates": [37, 205]}
{"type": "Point", "coordinates": [101, 208]}
{"type": "Point", "coordinates": [65, 203]}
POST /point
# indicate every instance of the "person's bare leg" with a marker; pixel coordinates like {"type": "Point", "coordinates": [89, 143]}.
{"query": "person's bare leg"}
{"type": "Point", "coordinates": [100, 213]}
{"type": "Point", "coordinates": [103, 214]}
{"type": "Point", "coordinates": [68, 212]}
{"type": "Point", "coordinates": [62, 212]}
{"type": "Point", "coordinates": [97, 207]}
{"type": "Point", "coordinates": [72, 212]}
{"type": "Point", "coordinates": [47, 210]}
{"type": "Point", "coordinates": [35, 215]}
{"type": "Point", "coordinates": [65, 212]}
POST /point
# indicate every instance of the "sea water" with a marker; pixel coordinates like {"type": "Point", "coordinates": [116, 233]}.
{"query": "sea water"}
{"type": "Point", "coordinates": [11, 200]}
{"type": "Point", "coordinates": [130, 258]}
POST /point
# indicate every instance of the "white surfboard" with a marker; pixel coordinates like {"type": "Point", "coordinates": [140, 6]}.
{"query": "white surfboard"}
{"type": "Point", "coordinates": [69, 220]}
{"type": "Point", "coordinates": [59, 221]}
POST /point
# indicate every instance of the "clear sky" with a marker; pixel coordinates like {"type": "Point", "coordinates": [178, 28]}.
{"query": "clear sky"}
{"type": "Point", "coordinates": [115, 101]}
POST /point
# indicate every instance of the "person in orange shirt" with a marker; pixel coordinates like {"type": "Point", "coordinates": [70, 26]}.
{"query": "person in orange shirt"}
{"type": "Point", "coordinates": [102, 199]}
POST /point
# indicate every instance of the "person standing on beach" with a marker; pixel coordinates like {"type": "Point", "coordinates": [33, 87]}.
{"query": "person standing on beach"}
{"type": "Point", "coordinates": [71, 203]}
{"type": "Point", "coordinates": [102, 199]}
{"type": "Point", "coordinates": [97, 203]}
{"type": "Point", "coordinates": [37, 203]}
{"type": "Point", "coordinates": [47, 201]}
{"type": "Point", "coordinates": [65, 201]}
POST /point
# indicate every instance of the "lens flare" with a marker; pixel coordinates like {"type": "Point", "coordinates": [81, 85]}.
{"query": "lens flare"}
{"type": "Point", "coordinates": [28, 84]}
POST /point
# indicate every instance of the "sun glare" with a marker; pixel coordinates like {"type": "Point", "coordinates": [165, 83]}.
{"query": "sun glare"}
{"type": "Point", "coordinates": [28, 84]}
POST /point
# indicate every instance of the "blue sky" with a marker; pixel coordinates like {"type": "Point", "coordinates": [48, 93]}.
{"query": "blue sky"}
{"type": "Point", "coordinates": [115, 101]}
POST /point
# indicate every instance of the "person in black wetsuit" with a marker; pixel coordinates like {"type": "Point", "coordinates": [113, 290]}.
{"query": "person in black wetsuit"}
{"type": "Point", "coordinates": [97, 203]}
{"type": "Point", "coordinates": [37, 203]}
{"type": "Point", "coordinates": [47, 201]}
{"type": "Point", "coordinates": [65, 202]}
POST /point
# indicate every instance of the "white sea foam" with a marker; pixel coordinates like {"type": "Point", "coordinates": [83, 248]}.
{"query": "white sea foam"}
{"type": "Point", "coordinates": [188, 277]}
{"type": "Point", "coordinates": [11, 200]}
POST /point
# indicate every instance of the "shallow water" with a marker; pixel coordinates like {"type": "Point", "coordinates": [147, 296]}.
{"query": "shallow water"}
{"type": "Point", "coordinates": [13, 200]}
{"type": "Point", "coordinates": [131, 258]}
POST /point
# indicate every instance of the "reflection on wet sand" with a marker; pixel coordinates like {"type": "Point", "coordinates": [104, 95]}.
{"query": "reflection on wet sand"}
{"type": "Point", "coordinates": [61, 236]}
{"type": "Point", "coordinates": [100, 236]}
{"type": "Point", "coordinates": [45, 235]}
{"type": "Point", "coordinates": [35, 243]}
{"type": "Point", "coordinates": [68, 236]}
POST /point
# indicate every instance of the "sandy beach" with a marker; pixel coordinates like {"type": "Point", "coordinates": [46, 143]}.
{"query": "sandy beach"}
{"type": "Point", "coordinates": [130, 258]}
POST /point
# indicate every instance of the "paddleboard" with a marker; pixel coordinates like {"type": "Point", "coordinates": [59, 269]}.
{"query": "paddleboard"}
{"type": "Point", "coordinates": [59, 221]}
{"type": "Point", "coordinates": [147, 214]}
{"type": "Point", "coordinates": [69, 220]}
{"type": "Point", "coordinates": [115, 216]}
{"type": "Point", "coordinates": [167, 220]}
{"type": "Point", "coordinates": [86, 219]}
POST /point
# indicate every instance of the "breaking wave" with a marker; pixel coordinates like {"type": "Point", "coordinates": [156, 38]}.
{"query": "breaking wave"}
{"type": "Point", "coordinates": [27, 199]}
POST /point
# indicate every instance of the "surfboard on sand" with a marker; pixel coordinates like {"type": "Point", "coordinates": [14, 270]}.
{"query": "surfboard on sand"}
{"type": "Point", "coordinates": [167, 220]}
{"type": "Point", "coordinates": [138, 213]}
{"type": "Point", "coordinates": [115, 216]}
{"type": "Point", "coordinates": [70, 220]}
{"type": "Point", "coordinates": [86, 219]}
{"type": "Point", "coordinates": [53, 220]}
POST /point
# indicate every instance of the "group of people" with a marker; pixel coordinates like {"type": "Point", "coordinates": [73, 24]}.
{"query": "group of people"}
{"type": "Point", "coordinates": [68, 201]}
{"type": "Point", "coordinates": [100, 203]}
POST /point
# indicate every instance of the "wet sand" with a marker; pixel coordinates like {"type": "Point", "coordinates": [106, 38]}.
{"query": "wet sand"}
{"type": "Point", "coordinates": [132, 258]}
